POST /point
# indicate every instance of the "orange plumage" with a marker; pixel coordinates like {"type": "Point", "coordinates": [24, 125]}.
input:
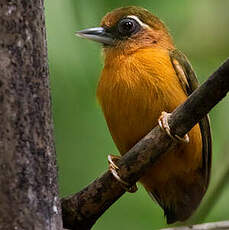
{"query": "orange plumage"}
{"type": "Point", "coordinates": [137, 83]}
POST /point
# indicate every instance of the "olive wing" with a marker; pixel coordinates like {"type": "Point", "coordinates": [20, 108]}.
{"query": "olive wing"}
{"type": "Point", "coordinates": [189, 82]}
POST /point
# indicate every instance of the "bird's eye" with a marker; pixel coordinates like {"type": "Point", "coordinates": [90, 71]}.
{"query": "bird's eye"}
{"type": "Point", "coordinates": [128, 26]}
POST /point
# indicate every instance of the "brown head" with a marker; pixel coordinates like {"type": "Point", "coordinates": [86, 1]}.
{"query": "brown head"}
{"type": "Point", "coordinates": [130, 28]}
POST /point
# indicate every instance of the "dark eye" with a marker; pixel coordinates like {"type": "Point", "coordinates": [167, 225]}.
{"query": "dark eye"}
{"type": "Point", "coordinates": [128, 26]}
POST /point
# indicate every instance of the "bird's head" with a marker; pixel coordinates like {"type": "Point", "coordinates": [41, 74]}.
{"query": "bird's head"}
{"type": "Point", "coordinates": [129, 28]}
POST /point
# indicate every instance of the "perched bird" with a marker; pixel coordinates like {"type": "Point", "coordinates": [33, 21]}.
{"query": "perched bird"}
{"type": "Point", "coordinates": [143, 75]}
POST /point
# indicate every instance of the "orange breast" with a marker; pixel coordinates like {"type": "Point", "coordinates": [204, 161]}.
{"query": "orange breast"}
{"type": "Point", "coordinates": [133, 91]}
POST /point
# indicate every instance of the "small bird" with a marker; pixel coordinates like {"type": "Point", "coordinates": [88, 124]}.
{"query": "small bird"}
{"type": "Point", "coordinates": [144, 76]}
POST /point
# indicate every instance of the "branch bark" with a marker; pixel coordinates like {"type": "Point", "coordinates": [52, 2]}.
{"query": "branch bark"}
{"type": "Point", "coordinates": [28, 175]}
{"type": "Point", "coordinates": [208, 226]}
{"type": "Point", "coordinates": [81, 210]}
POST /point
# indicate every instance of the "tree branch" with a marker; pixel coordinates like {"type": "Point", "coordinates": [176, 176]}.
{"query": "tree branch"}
{"type": "Point", "coordinates": [81, 210]}
{"type": "Point", "coordinates": [208, 226]}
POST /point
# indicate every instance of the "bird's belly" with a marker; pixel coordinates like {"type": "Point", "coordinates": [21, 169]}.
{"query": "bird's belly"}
{"type": "Point", "coordinates": [130, 126]}
{"type": "Point", "coordinates": [133, 91]}
{"type": "Point", "coordinates": [132, 99]}
{"type": "Point", "coordinates": [180, 162]}
{"type": "Point", "coordinates": [131, 121]}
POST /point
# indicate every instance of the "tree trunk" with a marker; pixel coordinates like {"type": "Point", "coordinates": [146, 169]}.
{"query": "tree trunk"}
{"type": "Point", "coordinates": [28, 175]}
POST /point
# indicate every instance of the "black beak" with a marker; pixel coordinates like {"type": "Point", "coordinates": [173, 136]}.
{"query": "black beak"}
{"type": "Point", "coordinates": [97, 34]}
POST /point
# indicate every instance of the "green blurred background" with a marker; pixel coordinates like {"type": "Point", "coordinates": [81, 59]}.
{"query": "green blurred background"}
{"type": "Point", "coordinates": [200, 29]}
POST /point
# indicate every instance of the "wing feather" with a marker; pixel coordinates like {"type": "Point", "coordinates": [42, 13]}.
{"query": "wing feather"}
{"type": "Point", "coordinates": [189, 83]}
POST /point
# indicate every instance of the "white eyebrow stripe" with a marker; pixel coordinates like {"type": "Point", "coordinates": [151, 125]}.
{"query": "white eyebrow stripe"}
{"type": "Point", "coordinates": [138, 20]}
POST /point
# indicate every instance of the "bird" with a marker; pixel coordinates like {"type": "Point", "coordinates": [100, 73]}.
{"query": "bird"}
{"type": "Point", "coordinates": [144, 78]}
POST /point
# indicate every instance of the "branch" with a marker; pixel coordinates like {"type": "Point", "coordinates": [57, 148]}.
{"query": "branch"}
{"type": "Point", "coordinates": [81, 210]}
{"type": "Point", "coordinates": [209, 226]}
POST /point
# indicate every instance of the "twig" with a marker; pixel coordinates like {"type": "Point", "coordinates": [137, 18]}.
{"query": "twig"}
{"type": "Point", "coordinates": [81, 210]}
{"type": "Point", "coordinates": [208, 226]}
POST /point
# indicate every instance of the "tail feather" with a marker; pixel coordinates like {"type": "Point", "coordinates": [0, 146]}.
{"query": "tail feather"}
{"type": "Point", "coordinates": [180, 209]}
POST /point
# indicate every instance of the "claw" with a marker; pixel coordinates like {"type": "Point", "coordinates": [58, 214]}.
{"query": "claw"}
{"type": "Point", "coordinates": [114, 170]}
{"type": "Point", "coordinates": [111, 159]}
{"type": "Point", "coordinates": [163, 123]}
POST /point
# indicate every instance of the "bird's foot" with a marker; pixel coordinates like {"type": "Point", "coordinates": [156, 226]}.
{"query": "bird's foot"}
{"type": "Point", "coordinates": [164, 125]}
{"type": "Point", "coordinates": [114, 170]}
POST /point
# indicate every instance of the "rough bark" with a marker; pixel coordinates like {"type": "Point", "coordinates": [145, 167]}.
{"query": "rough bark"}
{"type": "Point", "coordinates": [28, 175]}
{"type": "Point", "coordinates": [81, 210]}
{"type": "Point", "coordinates": [223, 225]}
